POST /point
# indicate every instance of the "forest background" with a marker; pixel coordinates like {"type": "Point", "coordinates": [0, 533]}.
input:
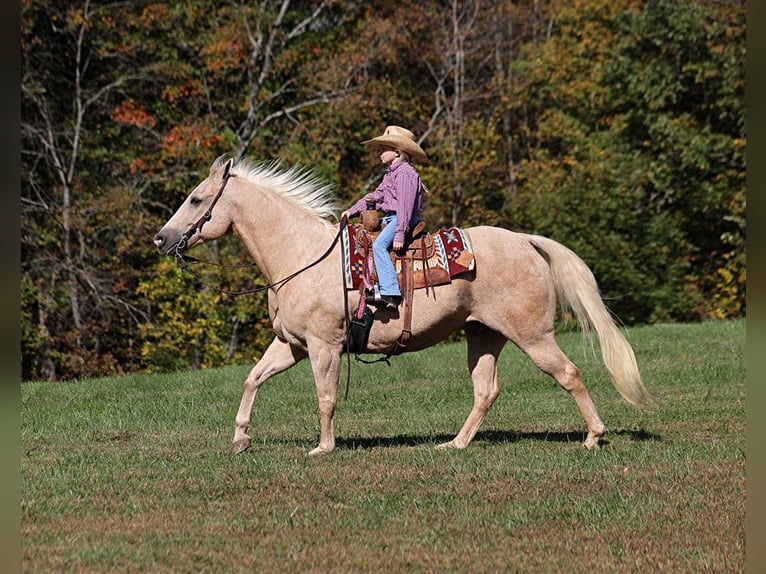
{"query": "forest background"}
{"type": "Point", "coordinates": [615, 127]}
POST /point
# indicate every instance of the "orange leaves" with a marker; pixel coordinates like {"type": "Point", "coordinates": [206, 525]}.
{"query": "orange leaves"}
{"type": "Point", "coordinates": [154, 13]}
{"type": "Point", "coordinates": [180, 138]}
{"type": "Point", "coordinates": [174, 139]}
{"type": "Point", "coordinates": [130, 113]}
{"type": "Point", "coordinates": [138, 166]}
{"type": "Point", "coordinates": [226, 53]}
{"type": "Point", "coordinates": [185, 90]}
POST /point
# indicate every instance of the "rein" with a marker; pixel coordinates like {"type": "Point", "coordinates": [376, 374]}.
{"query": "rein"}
{"type": "Point", "coordinates": [184, 261]}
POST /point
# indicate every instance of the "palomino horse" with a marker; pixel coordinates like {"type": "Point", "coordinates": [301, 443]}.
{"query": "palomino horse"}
{"type": "Point", "coordinates": [285, 217]}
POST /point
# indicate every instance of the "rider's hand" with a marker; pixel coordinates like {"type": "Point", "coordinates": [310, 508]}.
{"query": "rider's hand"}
{"type": "Point", "coordinates": [397, 245]}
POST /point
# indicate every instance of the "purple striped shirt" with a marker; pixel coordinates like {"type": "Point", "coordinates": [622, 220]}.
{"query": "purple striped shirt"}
{"type": "Point", "coordinates": [401, 192]}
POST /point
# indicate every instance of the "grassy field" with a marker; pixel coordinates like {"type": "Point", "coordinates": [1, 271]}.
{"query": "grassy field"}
{"type": "Point", "coordinates": [133, 474]}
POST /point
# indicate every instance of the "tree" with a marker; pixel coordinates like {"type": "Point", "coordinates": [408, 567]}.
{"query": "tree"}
{"type": "Point", "coordinates": [638, 151]}
{"type": "Point", "coordinates": [615, 127]}
{"type": "Point", "coordinates": [70, 74]}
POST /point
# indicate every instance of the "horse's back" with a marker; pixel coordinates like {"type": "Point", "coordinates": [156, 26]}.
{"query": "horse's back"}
{"type": "Point", "coordinates": [508, 258]}
{"type": "Point", "coordinates": [510, 290]}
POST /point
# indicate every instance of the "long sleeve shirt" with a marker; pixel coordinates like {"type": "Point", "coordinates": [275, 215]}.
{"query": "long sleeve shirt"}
{"type": "Point", "coordinates": [400, 191]}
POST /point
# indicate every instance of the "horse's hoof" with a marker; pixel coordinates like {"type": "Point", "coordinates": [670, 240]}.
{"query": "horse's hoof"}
{"type": "Point", "coordinates": [241, 445]}
{"type": "Point", "coordinates": [319, 451]}
{"type": "Point", "coordinates": [592, 444]}
{"type": "Point", "coordinates": [446, 445]}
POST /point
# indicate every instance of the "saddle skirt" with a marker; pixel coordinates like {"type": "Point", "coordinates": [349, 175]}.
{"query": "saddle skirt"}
{"type": "Point", "coordinates": [436, 257]}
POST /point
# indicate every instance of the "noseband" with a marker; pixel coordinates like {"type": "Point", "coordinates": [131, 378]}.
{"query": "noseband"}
{"type": "Point", "coordinates": [197, 227]}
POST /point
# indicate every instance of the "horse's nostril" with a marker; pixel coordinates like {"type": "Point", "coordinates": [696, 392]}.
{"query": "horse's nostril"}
{"type": "Point", "coordinates": [159, 240]}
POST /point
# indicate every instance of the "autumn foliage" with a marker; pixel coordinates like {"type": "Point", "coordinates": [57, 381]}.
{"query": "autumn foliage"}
{"type": "Point", "coordinates": [616, 127]}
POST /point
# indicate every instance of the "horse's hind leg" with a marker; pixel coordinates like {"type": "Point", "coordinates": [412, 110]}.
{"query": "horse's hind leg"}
{"type": "Point", "coordinates": [549, 357]}
{"type": "Point", "coordinates": [278, 357]}
{"type": "Point", "coordinates": [484, 346]}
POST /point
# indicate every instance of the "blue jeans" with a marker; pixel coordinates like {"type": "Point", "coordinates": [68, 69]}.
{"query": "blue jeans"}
{"type": "Point", "coordinates": [389, 285]}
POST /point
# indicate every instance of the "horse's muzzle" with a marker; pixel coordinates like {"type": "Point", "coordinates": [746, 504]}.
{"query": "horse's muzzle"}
{"type": "Point", "coordinates": [162, 244]}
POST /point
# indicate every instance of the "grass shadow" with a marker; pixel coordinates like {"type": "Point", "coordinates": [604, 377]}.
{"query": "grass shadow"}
{"type": "Point", "coordinates": [487, 436]}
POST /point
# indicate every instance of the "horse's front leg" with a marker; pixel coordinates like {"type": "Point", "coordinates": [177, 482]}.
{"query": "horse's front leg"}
{"type": "Point", "coordinates": [325, 364]}
{"type": "Point", "coordinates": [279, 357]}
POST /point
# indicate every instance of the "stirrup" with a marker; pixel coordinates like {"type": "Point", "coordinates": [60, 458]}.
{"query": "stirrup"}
{"type": "Point", "coordinates": [374, 296]}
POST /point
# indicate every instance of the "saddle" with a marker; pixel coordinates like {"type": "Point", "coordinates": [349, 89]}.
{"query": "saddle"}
{"type": "Point", "coordinates": [419, 251]}
{"type": "Point", "coordinates": [423, 262]}
{"type": "Point", "coordinates": [417, 241]}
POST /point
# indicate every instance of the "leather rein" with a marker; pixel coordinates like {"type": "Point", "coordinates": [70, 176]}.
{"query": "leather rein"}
{"type": "Point", "coordinates": [183, 261]}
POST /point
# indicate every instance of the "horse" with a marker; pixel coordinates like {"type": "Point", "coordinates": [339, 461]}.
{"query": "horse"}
{"type": "Point", "coordinates": [286, 218]}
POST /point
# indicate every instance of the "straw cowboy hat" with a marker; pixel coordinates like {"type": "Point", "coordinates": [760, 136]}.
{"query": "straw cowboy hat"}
{"type": "Point", "coordinates": [401, 139]}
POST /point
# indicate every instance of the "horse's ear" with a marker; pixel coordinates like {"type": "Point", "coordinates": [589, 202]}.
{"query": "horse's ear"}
{"type": "Point", "coordinates": [227, 168]}
{"type": "Point", "coordinates": [220, 162]}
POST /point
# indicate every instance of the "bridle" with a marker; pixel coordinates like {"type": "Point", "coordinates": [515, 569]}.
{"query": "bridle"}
{"type": "Point", "coordinates": [197, 227]}
{"type": "Point", "coordinates": [184, 260]}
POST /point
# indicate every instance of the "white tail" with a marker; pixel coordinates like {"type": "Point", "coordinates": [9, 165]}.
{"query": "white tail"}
{"type": "Point", "coordinates": [578, 291]}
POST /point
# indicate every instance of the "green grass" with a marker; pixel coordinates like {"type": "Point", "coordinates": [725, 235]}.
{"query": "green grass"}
{"type": "Point", "coordinates": [133, 474]}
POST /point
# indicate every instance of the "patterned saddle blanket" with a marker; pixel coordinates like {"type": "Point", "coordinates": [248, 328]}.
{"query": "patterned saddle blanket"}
{"type": "Point", "coordinates": [445, 254]}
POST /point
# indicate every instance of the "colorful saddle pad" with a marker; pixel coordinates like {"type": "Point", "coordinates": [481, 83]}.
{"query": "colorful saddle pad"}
{"type": "Point", "coordinates": [452, 255]}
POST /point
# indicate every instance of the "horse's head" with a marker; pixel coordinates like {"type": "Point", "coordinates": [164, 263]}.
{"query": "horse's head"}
{"type": "Point", "coordinates": [201, 217]}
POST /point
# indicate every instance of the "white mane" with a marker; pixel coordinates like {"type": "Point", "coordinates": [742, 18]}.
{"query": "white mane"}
{"type": "Point", "coordinates": [296, 184]}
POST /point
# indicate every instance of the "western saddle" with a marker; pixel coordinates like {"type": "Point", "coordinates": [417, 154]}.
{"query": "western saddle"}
{"type": "Point", "coordinates": [418, 245]}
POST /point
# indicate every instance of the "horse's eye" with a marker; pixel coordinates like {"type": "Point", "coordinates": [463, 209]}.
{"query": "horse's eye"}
{"type": "Point", "coordinates": [195, 201]}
